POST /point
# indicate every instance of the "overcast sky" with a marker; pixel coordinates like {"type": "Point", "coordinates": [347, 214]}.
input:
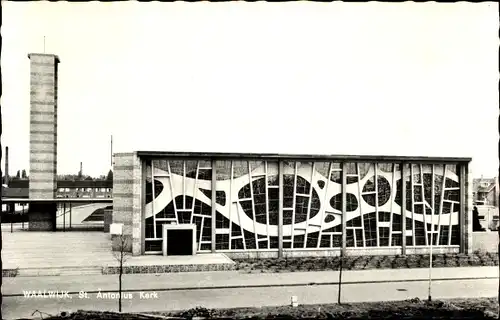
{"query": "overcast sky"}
{"type": "Point", "coordinates": [325, 78]}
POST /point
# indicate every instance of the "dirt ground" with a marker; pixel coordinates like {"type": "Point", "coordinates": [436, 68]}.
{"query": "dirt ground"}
{"type": "Point", "coordinates": [484, 308]}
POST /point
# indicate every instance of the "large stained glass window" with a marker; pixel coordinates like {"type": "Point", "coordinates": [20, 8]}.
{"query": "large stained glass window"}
{"type": "Point", "coordinates": [432, 206]}
{"type": "Point", "coordinates": [247, 202]}
{"type": "Point", "coordinates": [182, 196]}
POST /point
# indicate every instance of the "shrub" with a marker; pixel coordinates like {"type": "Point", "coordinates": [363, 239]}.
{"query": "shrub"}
{"type": "Point", "coordinates": [198, 312]}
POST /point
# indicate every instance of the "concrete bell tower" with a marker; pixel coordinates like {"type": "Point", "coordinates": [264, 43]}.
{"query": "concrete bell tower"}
{"type": "Point", "coordinates": [43, 139]}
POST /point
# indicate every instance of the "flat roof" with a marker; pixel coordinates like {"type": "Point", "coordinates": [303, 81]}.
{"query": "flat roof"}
{"type": "Point", "coordinates": [277, 156]}
{"type": "Point", "coordinates": [46, 55]}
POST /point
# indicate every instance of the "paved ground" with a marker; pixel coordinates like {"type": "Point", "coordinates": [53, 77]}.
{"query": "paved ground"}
{"type": "Point", "coordinates": [191, 280]}
{"type": "Point", "coordinates": [31, 250]}
{"type": "Point", "coordinates": [20, 306]}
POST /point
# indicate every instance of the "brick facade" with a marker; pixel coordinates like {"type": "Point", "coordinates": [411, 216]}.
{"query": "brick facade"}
{"type": "Point", "coordinates": [127, 204]}
{"type": "Point", "coordinates": [468, 207]}
{"type": "Point", "coordinates": [43, 140]}
{"type": "Point", "coordinates": [43, 126]}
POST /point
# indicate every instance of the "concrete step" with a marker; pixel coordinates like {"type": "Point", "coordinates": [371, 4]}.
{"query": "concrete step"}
{"type": "Point", "coordinates": [60, 271]}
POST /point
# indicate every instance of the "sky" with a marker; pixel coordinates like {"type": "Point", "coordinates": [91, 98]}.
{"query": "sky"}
{"type": "Point", "coordinates": [403, 79]}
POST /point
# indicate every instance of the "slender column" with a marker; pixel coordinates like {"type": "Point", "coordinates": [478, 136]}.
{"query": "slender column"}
{"type": "Point", "coordinates": [393, 183]}
{"type": "Point", "coordinates": [184, 184]}
{"type": "Point", "coordinates": [154, 197]}
{"type": "Point", "coordinates": [280, 209]}
{"type": "Point", "coordinates": [424, 208]}
{"type": "Point", "coordinates": [231, 206]}
{"type": "Point", "coordinates": [441, 203]}
{"type": "Point", "coordinates": [376, 204]}
{"type": "Point", "coordinates": [363, 234]}
{"type": "Point", "coordinates": [64, 220]}
{"type": "Point", "coordinates": [403, 208]}
{"type": "Point", "coordinates": [214, 203]}
{"type": "Point", "coordinates": [464, 222]}
{"type": "Point", "coordinates": [433, 205]}
{"type": "Point", "coordinates": [296, 166]}
{"type": "Point", "coordinates": [143, 203]}
{"type": "Point", "coordinates": [323, 207]}
{"type": "Point", "coordinates": [412, 197]}
{"type": "Point", "coordinates": [344, 207]}
{"type": "Point", "coordinates": [309, 202]}
{"type": "Point", "coordinates": [254, 214]}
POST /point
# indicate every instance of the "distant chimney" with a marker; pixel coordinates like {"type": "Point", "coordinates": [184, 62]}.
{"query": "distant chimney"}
{"type": "Point", "coordinates": [6, 166]}
{"type": "Point", "coordinates": [81, 168]}
{"type": "Point", "coordinates": [111, 159]}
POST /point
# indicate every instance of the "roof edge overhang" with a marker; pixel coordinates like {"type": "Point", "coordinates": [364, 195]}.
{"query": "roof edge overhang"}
{"type": "Point", "coordinates": [276, 156]}
{"type": "Point", "coordinates": [56, 57]}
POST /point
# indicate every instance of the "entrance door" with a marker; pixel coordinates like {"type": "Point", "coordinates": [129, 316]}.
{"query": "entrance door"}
{"type": "Point", "coordinates": [179, 242]}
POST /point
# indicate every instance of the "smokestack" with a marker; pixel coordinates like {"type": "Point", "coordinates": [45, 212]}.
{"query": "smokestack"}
{"type": "Point", "coordinates": [6, 166]}
{"type": "Point", "coordinates": [81, 168]}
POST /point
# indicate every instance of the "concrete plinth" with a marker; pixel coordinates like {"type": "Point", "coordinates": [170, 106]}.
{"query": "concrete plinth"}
{"type": "Point", "coordinates": [121, 243]}
{"type": "Point", "coordinates": [42, 216]}
{"type": "Point", "coordinates": [484, 241]}
{"type": "Point", "coordinates": [108, 219]}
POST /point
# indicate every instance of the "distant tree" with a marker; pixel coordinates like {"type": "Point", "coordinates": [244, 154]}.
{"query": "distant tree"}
{"type": "Point", "coordinates": [110, 175]}
{"type": "Point", "coordinates": [66, 177]}
{"type": "Point", "coordinates": [89, 178]}
{"type": "Point", "coordinates": [23, 174]}
{"type": "Point", "coordinates": [18, 174]}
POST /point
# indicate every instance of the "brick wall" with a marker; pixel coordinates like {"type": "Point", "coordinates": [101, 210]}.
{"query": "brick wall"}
{"type": "Point", "coordinates": [42, 216]}
{"type": "Point", "coordinates": [127, 178]}
{"type": "Point", "coordinates": [468, 207]}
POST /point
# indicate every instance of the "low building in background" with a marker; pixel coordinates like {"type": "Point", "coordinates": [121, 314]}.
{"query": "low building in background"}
{"type": "Point", "coordinates": [486, 191]}
{"type": "Point", "coordinates": [65, 189]}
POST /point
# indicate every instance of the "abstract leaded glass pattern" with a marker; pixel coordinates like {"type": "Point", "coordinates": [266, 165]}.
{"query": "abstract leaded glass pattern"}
{"type": "Point", "coordinates": [181, 195]}
{"type": "Point", "coordinates": [247, 203]}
